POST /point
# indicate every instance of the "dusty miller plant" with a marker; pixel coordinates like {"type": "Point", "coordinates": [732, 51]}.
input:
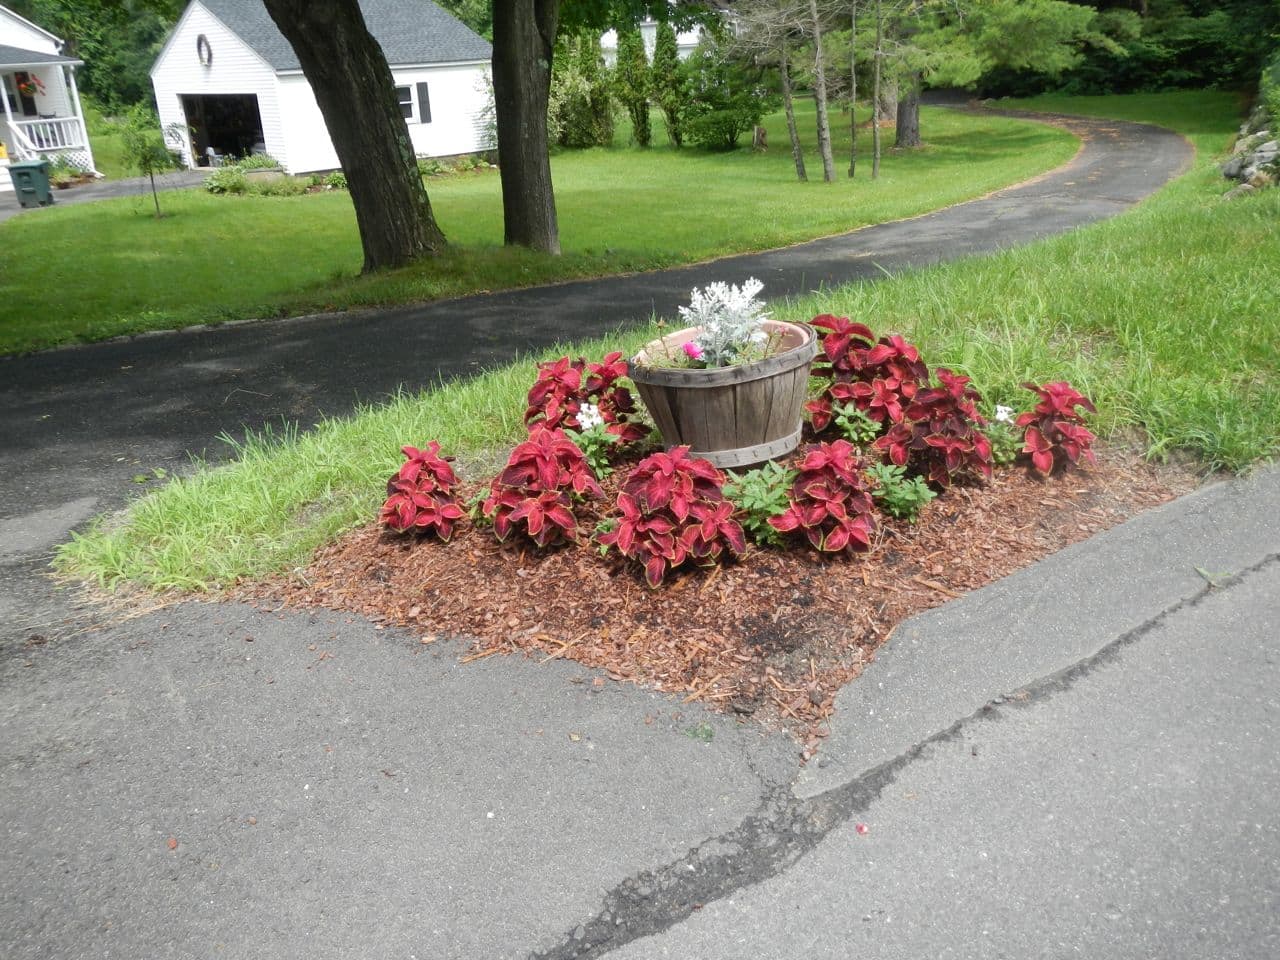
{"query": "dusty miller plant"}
{"type": "Point", "coordinates": [730, 318]}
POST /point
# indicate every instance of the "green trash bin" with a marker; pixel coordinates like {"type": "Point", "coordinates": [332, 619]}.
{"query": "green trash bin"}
{"type": "Point", "coordinates": [31, 182]}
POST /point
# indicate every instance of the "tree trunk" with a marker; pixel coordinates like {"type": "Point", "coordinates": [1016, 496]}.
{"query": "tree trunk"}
{"type": "Point", "coordinates": [797, 152]}
{"type": "Point", "coordinates": [909, 115]}
{"type": "Point", "coordinates": [348, 72]}
{"type": "Point", "coordinates": [853, 87]}
{"type": "Point", "coordinates": [877, 60]}
{"type": "Point", "coordinates": [820, 96]}
{"type": "Point", "coordinates": [888, 97]}
{"type": "Point", "coordinates": [524, 36]}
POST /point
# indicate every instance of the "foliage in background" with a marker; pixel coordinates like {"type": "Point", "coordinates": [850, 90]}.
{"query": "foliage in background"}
{"type": "Point", "coordinates": [668, 82]}
{"type": "Point", "coordinates": [580, 109]}
{"type": "Point", "coordinates": [631, 83]}
{"type": "Point", "coordinates": [118, 40]}
{"type": "Point", "coordinates": [476, 14]}
{"type": "Point", "coordinates": [1161, 45]}
{"type": "Point", "coordinates": [724, 97]}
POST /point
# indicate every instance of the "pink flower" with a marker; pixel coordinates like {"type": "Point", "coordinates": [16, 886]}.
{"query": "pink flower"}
{"type": "Point", "coordinates": [691, 350]}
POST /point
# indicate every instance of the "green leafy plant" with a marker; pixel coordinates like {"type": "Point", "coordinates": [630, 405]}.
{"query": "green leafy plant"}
{"type": "Point", "coordinates": [858, 428]}
{"type": "Point", "coordinates": [258, 161]}
{"type": "Point", "coordinates": [759, 495]}
{"type": "Point", "coordinates": [632, 83]}
{"type": "Point", "coordinates": [280, 187]}
{"type": "Point", "coordinates": [898, 496]}
{"type": "Point", "coordinates": [226, 180]}
{"type": "Point", "coordinates": [596, 444]}
{"type": "Point", "coordinates": [725, 97]}
{"type": "Point", "coordinates": [1006, 439]}
{"type": "Point", "coordinates": [336, 180]}
{"type": "Point", "coordinates": [667, 82]}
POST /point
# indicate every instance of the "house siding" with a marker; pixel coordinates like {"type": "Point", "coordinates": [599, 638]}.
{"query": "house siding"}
{"type": "Point", "coordinates": [457, 93]}
{"type": "Point", "coordinates": [54, 101]}
{"type": "Point", "coordinates": [15, 33]}
{"type": "Point", "coordinates": [235, 69]}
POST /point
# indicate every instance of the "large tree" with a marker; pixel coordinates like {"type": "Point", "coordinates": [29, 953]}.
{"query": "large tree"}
{"type": "Point", "coordinates": [524, 39]}
{"type": "Point", "coordinates": [348, 72]}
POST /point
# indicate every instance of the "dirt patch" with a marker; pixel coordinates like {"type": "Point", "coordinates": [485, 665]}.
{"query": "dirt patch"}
{"type": "Point", "coordinates": [774, 635]}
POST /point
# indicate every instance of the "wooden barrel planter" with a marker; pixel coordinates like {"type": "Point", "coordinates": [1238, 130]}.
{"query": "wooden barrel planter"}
{"type": "Point", "coordinates": [733, 416]}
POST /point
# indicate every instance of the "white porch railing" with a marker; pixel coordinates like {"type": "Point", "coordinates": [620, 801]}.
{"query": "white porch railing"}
{"type": "Point", "coordinates": [60, 133]}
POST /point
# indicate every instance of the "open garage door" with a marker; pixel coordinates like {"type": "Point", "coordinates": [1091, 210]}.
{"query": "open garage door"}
{"type": "Point", "coordinates": [223, 125]}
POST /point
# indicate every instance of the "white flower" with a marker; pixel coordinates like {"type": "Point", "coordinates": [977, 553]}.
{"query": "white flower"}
{"type": "Point", "coordinates": [589, 416]}
{"type": "Point", "coordinates": [1004, 414]}
{"type": "Point", "coordinates": [729, 316]}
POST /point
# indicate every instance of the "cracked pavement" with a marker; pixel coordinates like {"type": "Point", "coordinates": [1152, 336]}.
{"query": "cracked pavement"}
{"type": "Point", "coordinates": [1077, 760]}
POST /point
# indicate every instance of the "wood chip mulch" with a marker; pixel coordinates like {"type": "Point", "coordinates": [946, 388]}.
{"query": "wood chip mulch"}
{"type": "Point", "coordinates": [774, 635]}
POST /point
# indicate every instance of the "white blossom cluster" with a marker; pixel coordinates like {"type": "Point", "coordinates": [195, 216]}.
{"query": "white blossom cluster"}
{"type": "Point", "coordinates": [730, 319]}
{"type": "Point", "coordinates": [589, 417]}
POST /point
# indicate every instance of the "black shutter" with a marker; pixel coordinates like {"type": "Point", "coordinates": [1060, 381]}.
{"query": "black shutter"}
{"type": "Point", "coordinates": [424, 104]}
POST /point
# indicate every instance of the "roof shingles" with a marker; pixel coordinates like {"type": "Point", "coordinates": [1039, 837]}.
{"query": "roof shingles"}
{"type": "Point", "coordinates": [17, 57]}
{"type": "Point", "coordinates": [409, 31]}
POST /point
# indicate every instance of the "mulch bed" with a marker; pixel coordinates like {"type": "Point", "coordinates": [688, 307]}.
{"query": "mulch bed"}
{"type": "Point", "coordinates": [773, 636]}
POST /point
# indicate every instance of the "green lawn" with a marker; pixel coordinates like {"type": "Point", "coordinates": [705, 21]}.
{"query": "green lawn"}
{"type": "Point", "coordinates": [104, 138]}
{"type": "Point", "coordinates": [1166, 315]}
{"type": "Point", "coordinates": [110, 268]}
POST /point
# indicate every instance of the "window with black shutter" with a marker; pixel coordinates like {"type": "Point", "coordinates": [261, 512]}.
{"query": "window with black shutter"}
{"type": "Point", "coordinates": [405, 96]}
{"type": "Point", "coordinates": [424, 104]}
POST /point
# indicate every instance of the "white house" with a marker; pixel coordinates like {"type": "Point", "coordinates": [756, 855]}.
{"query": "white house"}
{"type": "Point", "coordinates": [228, 77]}
{"type": "Point", "coordinates": [42, 114]}
{"type": "Point", "coordinates": [686, 42]}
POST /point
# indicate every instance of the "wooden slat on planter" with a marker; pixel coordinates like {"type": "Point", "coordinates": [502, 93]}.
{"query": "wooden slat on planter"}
{"type": "Point", "coordinates": [732, 416]}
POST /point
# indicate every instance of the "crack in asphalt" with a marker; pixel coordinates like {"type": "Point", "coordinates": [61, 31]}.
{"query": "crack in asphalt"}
{"type": "Point", "coordinates": [784, 828]}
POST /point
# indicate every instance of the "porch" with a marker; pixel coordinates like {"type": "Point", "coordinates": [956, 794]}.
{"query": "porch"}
{"type": "Point", "coordinates": [42, 117]}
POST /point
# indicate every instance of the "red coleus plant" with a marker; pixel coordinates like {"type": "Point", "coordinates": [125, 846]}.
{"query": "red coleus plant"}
{"type": "Point", "coordinates": [421, 494]}
{"type": "Point", "coordinates": [878, 377]}
{"type": "Point", "coordinates": [938, 435]}
{"type": "Point", "coordinates": [672, 509]}
{"type": "Point", "coordinates": [830, 501]}
{"type": "Point", "coordinates": [532, 494]}
{"type": "Point", "coordinates": [1055, 432]}
{"type": "Point", "coordinates": [563, 386]}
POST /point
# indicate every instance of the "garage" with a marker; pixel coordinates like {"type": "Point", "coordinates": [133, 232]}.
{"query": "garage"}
{"type": "Point", "coordinates": [223, 125]}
